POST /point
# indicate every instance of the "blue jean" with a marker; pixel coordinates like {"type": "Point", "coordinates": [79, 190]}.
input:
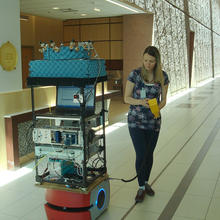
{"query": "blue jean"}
{"type": "Point", "coordinates": [144, 142]}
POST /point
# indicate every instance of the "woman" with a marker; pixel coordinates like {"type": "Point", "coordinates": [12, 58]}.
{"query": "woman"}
{"type": "Point", "coordinates": [144, 83]}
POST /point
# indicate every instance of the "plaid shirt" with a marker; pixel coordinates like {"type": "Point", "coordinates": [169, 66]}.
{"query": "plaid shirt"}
{"type": "Point", "coordinates": [138, 115]}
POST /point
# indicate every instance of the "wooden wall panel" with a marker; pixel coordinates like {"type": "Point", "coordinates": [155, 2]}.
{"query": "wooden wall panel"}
{"type": "Point", "coordinates": [116, 50]}
{"type": "Point", "coordinates": [95, 32]}
{"type": "Point", "coordinates": [27, 31]}
{"type": "Point", "coordinates": [42, 29]}
{"type": "Point", "coordinates": [47, 29]}
{"type": "Point", "coordinates": [94, 21]}
{"type": "Point", "coordinates": [106, 34]}
{"type": "Point", "coordinates": [71, 22]}
{"type": "Point", "coordinates": [67, 33]}
{"type": "Point", "coordinates": [137, 34]}
{"type": "Point", "coordinates": [116, 32]}
{"type": "Point", "coordinates": [116, 19]}
{"type": "Point", "coordinates": [114, 64]}
{"type": "Point", "coordinates": [103, 49]}
{"type": "Point", "coordinates": [70, 32]}
{"type": "Point", "coordinates": [27, 54]}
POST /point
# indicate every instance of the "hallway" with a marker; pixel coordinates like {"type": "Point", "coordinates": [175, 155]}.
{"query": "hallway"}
{"type": "Point", "coordinates": [185, 175]}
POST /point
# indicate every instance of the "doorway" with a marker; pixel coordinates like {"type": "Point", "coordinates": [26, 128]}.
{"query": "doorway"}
{"type": "Point", "coordinates": [27, 54]}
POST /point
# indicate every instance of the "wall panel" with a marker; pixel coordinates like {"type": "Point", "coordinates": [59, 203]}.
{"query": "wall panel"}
{"type": "Point", "coordinates": [94, 21]}
{"type": "Point", "coordinates": [116, 19]}
{"type": "Point", "coordinates": [71, 32]}
{"type": "Point", "coordinates": [116, 31]}
{"type": "Point", "coordinates": [106, 34]}
{"type": "Point", "coordinates": [103, 49]}
{"type": "Point", "coordinates": [170, 36]}
{"type": "Point", "coordinates": [216, 28]}
{"type": "Point", "coordinates": [116, 50]}
{"type": "Point", "coordinates": [71, 22]}
{"type": "Point", "coordinates": [27, 31]}
{"type": "Point", "coordinates": [217, 54]}
{"type": "Point", "coordinates": [133, 43]}
{"type": "Point", "coordinates": [96, 32]}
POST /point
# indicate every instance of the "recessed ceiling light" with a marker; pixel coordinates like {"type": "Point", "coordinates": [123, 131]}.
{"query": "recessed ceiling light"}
{"type": "Point", "coordinates": [56, 8]}
{"type": "Point", "coordinates": [83, 14]}
{"type": "Point", "coordinates": [123, 6]}
{"type": "Point", "coordinates": [97, 9]}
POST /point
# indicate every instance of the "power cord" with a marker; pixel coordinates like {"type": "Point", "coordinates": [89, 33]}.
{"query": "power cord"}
{"type": "Point", "coordinates": [138, 172]}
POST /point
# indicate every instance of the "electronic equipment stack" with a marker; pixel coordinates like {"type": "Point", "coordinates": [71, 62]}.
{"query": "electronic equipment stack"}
{"type": "Point", "coordinates": [70, 153]}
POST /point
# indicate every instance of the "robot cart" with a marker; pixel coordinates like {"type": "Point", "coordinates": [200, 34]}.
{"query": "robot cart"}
{"type": "Point", "coordinates": [70, 155]}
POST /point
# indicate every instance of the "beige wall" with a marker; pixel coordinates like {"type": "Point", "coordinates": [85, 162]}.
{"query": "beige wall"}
{"type": "Point", "coordinates": [20, 101]}
{"type": "Point", "coordinates": [137, 35]}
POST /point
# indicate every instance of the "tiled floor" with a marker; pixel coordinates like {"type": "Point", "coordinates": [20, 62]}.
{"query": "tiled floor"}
{"type": "Point", "coordinates": [188, 127]}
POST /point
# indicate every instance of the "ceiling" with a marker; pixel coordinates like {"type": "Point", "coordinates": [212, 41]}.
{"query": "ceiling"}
{"type": "Point", "coordinates": [75, 9]}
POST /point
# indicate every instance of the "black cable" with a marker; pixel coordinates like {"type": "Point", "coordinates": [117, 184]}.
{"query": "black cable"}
{"type": "Point", "coordinates": [123, 180]}
{"type": "Point", "coordinates": [138, 172]}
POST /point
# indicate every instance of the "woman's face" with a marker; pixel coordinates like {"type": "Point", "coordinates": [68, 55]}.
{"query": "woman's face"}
{"type": "Point", "coordinates": [149, 62]}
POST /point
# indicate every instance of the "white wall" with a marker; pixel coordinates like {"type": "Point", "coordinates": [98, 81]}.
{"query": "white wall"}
{"type": "Point", "coordinates": [10, 31]}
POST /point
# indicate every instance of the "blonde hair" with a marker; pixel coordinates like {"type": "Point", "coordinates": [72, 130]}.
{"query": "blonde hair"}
{"type": "Point", "coordinates": [158, 73]}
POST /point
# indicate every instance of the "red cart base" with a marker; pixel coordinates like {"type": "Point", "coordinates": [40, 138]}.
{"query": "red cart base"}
{"type": "Point", "coordinates": [53, 214]}
{"type": "Point", "coordinates": [67, 205]}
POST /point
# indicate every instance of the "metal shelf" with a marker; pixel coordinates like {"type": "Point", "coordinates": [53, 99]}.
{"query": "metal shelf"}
{"type": "Point", "coordinates": [83, 182]}
{"type": "Point", "coordinates": [80, 82]}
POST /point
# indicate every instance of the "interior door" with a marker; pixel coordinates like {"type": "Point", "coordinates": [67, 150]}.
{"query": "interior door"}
{"type": "Point", "coordinates": [27, 56]}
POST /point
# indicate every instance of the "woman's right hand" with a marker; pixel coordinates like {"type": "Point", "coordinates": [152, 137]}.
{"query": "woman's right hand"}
{"type": "Point", "coordinates": [144, 102]}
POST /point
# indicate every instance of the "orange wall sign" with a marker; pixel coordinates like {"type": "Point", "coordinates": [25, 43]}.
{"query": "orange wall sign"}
{"type": "Point", "coordinates": [8, 56]}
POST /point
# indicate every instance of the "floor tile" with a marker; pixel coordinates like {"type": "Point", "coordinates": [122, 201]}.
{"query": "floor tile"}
{"type": "Point", "coordinates": [208, 172]}
{"type": "Point", "coordinates": [37, 214]}
{"type": "Point", "coordinates": [217, 189]}
{"type": "Point", "coordinates": [200, 187]}
{"type": "Point", "coordinates": [176, 169]}
{"type": "Point", "coordinates": [8, 197]}
{"type": "Point", "coordinates": [142, 215]}
{"type": "Point", "coordinates": [156, 203]}
{"type": "Point", "coordinates": [7, 217]}
{"type": "Point", "coordinates": [193, 207]}
{"type": "Point", "coordinates": [23, 206]}
{"type": "Point", "coordinates": [182, 218]}
{"type": "Point", "coordinates": [113, 188]}
{"type": "Point", "coordinates": [112, 212]}
{"type": "Point", "coordinates": [214, 211]}
{"type": "Point", "coordinates": [124, 198]}
{"type": "Point", "coordinates": [166, 183]}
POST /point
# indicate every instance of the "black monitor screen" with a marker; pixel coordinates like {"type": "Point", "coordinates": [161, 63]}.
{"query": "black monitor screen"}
{"type": "Point", "coordinates": [68, 97]}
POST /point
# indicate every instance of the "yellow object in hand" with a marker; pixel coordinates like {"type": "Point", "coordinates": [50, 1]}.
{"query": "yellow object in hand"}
{"type": "Point", "coordinates": [154, 107]}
